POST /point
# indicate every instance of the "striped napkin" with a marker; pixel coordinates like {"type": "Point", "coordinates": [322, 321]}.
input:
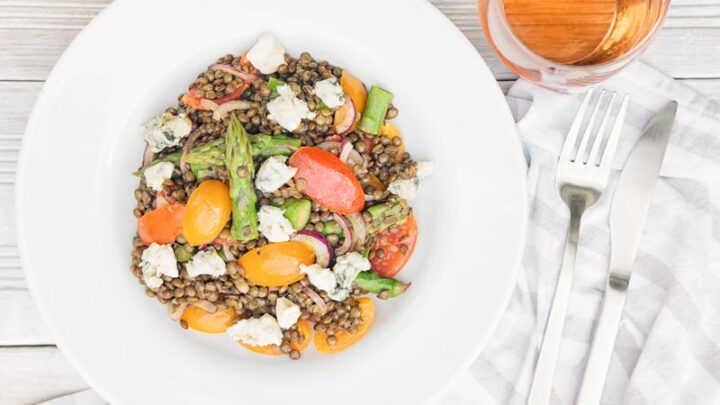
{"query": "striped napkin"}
{"type": "Point", "coordinates": [668, 345]}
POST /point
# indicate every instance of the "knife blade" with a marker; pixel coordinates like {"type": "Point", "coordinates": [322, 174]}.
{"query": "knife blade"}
{"type": "Point", "coordinates": [630, 205]}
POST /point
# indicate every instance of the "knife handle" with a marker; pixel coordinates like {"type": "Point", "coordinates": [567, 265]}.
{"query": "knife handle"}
{"type": "Point", "coordinates": [603, 343]}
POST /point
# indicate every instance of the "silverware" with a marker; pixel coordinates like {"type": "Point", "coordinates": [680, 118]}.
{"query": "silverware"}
{"type": "Point", "coordinates": [630, 206]}
{"type": "Point", "coordinates": [581, 179]}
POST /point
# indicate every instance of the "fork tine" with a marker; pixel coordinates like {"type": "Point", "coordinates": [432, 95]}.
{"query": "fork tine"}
{"type": "Point", "coordinates": [612, 143]}
{"type": "Point", "coordinates": [572, 135]}
{"type": "Point", "coordinates": [592, 159]}
{"type": "Point", "coordinates": [588, 130]}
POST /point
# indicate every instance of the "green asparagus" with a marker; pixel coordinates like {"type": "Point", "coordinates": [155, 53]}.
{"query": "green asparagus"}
{"type": "Point", "coordinates": [376, 108]}
{"type": "Point", "coordinates": [373, 283]}
{"type": "Point", "coordinates": [241, 170]}
{"type": "Point", "coordinates": [386, 214]}
{"type": "Point", "coordinates": [213, 153]}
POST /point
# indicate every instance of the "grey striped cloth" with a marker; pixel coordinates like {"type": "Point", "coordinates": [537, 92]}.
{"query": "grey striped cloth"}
{"type": "Point", "coordinates": [668, 345]}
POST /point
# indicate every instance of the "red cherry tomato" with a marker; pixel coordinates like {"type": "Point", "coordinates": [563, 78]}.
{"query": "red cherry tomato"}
{"type": "Point", "coordinates": [327, 180]}
{"type": "Point", "coordinates": [161, 225]}
{"type": "Point", "coordinates": [396, 248]}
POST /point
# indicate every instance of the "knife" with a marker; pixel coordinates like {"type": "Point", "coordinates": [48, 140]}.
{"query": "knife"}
{"type": "Point", "coordinates": [631, 203]}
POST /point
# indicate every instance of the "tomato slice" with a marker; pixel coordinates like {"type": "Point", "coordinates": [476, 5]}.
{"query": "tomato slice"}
{"type": "Point", "coordinates": [328, 181]}
{"type": "Point", "coordinates": [208, 210]}
{"type": "Point", "coordinates": [200, 320]}
{"type": "Point", "coordinates": [276, 264]}
{"type": "Point", "coordinates": [396, 248]}
{"type": "Point", "coordinates": [161, 225]}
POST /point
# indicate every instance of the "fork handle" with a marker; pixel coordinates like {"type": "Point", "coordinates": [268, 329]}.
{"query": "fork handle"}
{"type": "Point", "coordinates": [545, 369]}
{"type": "Point", "coordinates": [606, 330]}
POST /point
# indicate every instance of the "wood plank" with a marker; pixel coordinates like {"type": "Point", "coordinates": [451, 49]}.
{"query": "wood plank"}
{"type": "Point", "coordinates": [32, 375]}
{"type": "Point", "coordinates": [21, 323]}
{"type": "Point", "coordinates": [34, 33]}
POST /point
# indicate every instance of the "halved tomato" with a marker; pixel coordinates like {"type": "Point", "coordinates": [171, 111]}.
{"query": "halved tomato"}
{"type": "Point", "coordinates": [343, 339]}
{"type": "Point", "coordinates": [276, 264]}
{"type": "Point", "coordinates": [161, 225]}
{"type": "Point", "coordinates": [201, 320]}
{"type": "Point", "coordinates": [393, 250]}
{"type": "Point", "coordinates": [208, 210]}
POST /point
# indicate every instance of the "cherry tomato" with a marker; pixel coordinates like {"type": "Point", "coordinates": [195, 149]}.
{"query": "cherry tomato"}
{"type": "Point", "coordinates": [208, 210]}
{"type": "Point", "coordinates": [396, 248]}
{"type": "Point", "coordinates": [346, 339]}
{"type": "Point", "coordinates": [276, 264]}
{"type": "Point", "coordinates": [161, 225]}
{"type": "Point", "coordinates": [327, 180]}
{"type": "Point", "coordinates": [201, 320]}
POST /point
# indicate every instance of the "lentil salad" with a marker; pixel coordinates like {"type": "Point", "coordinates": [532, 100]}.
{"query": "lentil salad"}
{"type": "Point", "coordinates": [273, 200]}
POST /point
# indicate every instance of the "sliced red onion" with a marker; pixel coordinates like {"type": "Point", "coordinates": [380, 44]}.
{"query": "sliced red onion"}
{"type": "Point", "coordinates": [333, 138]}
{"type": "Point", "coordinates": [223, 109]}
{"type": "Point", "coordinates": [347, 235]}
{"type": "Point", "coordinates": [162, 199]}
{"type": "Point", "coordinates": [345, 149]}
{"type": "Point", "coordinates": [323, 251]}
{"type": "Point", "coordinates": [329, 146]}
{"type": "Point", "coordinates": [343, 128]}
{"type": "Point", "coordinates": [148, 155]}
{"type": "Point", "coordinates": [209, 104]}
{"type": "Point", "coordinates": [194, 135]}
{"type": "Point", "coordinates": [359, 229]}
{"type": "Point", "coordinates": [317, 299]}
{"type": "Point", "coordinates": [228, 254]}
{"type": "Point", "coordinates": [248, 77]}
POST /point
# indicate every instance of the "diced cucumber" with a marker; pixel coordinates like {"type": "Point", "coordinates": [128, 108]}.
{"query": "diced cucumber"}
{"type": "Point", "coordinates": [332, 227]}
{"type": "Point", "coordinates": [297, 212]}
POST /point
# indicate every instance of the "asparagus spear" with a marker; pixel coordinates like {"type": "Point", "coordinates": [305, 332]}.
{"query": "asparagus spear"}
{"type": "Point", "coordinates": [241, 170]}
{"type": "Point", "coordinates": [373, 283]}
{"type": "Point", "coordinates": [213, 153]}
{"type": "Point", "coordinates": [376, 107]}
{"type": "Point", "coordinates": [381, 216]}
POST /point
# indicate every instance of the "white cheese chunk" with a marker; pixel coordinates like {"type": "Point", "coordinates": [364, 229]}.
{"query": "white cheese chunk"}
{"type": "Point", "coordinates": [206, 262]}
{"type": "Point", "coordinates": [156, 261]}
{"type": "Point", "coordinates": [288, 110]}
{"type": "Point", "coordinates": [273, 174]}
{"type": "Point", "coordinates": [346, 268]}
{"type": "Point", "coordinates": [257, 331]}
{"type": "Point", "coordinates": [322, 278]}
{"type": "Point", "coordinates": [408, 188]}
{"type": "Point", "coordinates": [330, 92]}
{"type": "Point", "coordinates": [166, 130]}
{"type": "Point", "coordinates": [267, 54]}
{"type": "Point", "coordinates": [287, 312]}
{"type": "Point", "coordinates": [156, 174]}
{"type": "Point", "coordinates": [273, 224]}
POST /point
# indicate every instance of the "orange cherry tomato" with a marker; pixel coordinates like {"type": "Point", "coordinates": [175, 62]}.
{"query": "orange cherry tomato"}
{"type": "Point", "coordinates": [207, 211]}
{"type": "Point", "coordinates": [346, 339]}
{"type": "Point", "coordinates": [276, 264]}
{"type": "Point", "coordinates": [391, 132]}
{"type": "Point", "coordinates": [354, 88]}
{"type": "Point", "coordinates": [201, 320]}
{"type": "Point", "coordinates": [161, 225]}
{"type": "Point", "coordinates": [328, 181]}
{"type": "Point", "coordinates": [393, 258]}
{"type": "Point", "coordinates": [273, 350]}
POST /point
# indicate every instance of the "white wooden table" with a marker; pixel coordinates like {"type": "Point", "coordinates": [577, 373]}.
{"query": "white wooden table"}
{"type": "Point", "coordinates": [33, 34]}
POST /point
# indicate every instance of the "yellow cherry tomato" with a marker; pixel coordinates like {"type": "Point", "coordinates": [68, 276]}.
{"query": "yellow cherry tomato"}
{"type": "Point", "coordinates": [206, 212]}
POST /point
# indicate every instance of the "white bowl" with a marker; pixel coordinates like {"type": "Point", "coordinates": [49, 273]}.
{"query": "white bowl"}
{"type": "Point", "coordinates": [75, 201]}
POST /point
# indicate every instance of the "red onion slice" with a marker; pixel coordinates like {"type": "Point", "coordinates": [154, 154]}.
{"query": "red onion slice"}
{"type": "Point", "coordinates": [223, 109]}
{"type": "Point", "coordinates": [345, 149]}
{"type": "Point", "coordinates": [329, 146]}
{"type": "Point", "coordinates": [248, 77]}
{"type": "Point", "coordinates": [317, 299]}
{"type": "Point", "coordinates": [359, 229]}
{"type": "Point", "coordinates": [194, 135]}
{"type": "Point", "coordinates": [148, 155]}
{"type": "Point", "coordinates": [343, 128]}
{"type": "Point", "coordinates": [323, 251]}
{"type": "Point", "coordinates": [228, 254]}
{"type": "Point", "coordinates": [347, 235]}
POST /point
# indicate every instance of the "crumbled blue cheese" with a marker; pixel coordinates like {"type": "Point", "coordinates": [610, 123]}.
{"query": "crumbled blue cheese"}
{"type": "Point", "coordinates": [156, 174]}
{"type": "Point", "coordinates": [408, 188]}
{"type": "Point", "coordinates": [273, 224]}
{"type": "Point", "coordinates": [257, 331]}
{"type": "Point", "coordinates": [322, 278]}
{"type": "Point", "coordinates": [330, 92]}
{"type": "Point", "coordinates": [288, 110]}
{"type": "Point", "coordinates": [206, 262]}
{"type": "Point", "coordinates": [273, 174]}
{"type": "Point", "coordinates": [346, 268]}
{"type": "Point", "coordinates": [267, 54]}
{"type": "Point", "coordinates": [156, 261]}
{"type": "Point", "coordinates": [287, 312]}
{"type": "Point", "coordinates": [166, 130]}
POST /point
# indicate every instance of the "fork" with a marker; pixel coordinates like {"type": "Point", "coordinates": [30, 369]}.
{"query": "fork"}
{"type": "Point", "coordinates": [581, 178]}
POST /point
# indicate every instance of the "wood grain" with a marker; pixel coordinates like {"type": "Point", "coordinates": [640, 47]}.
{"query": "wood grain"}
{"type": "Point", "coordinates": [34, 33]}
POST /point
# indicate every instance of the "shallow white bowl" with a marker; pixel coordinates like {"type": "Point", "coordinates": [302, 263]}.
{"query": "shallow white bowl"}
{"type": "Point", "coordinates": [75, 201]}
